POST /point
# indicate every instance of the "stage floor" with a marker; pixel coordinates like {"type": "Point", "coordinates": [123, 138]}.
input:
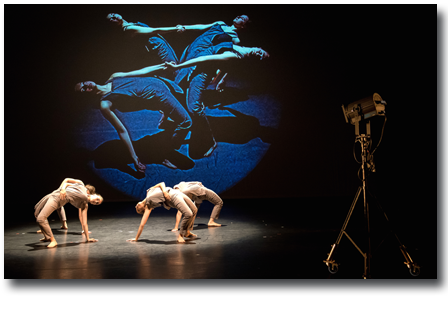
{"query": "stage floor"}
{"type": "Point", "coordinates": [259, 239]}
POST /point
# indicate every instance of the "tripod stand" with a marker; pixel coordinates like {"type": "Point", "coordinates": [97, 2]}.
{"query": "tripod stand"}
{"type": "Point", "coordinates": [367, 165]}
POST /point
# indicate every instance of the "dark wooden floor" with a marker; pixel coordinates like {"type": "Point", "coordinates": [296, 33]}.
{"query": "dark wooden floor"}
{"type": "Point", "coordinates": [259, 239]}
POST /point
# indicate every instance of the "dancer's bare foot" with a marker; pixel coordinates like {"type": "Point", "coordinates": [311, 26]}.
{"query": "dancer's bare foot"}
{"type": "Point", "coordinates": [175, 230]}
{"type": "Point", "coordinates": [212, 149]}
{"type": "Point", "coordinates": [83, 232]}
{"type": "Point", "coordinates": [64, 226]}
{"type": "Point", "coordinates": [212, 222]}
{"type": "Point", "coordinates": [52, 244]}
{"type": "Point", "coordinates": [190, 235]}
{"type": "Point", "coordinates": [44, 239]}
{"type": "Point", "coordinates": [140, 167]}
{"type": "Point", "coordinates": [39, 231]}
{"type": "Point", "coordinates": [180, 239]}
{"type": "Point", "coordinates": [168, 164]}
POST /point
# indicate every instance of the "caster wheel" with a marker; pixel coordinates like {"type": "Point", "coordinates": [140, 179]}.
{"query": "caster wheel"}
{"type": "Point", "coordinates": [333, 268]}
{"type": "Point", "coordinates": [415, 271]}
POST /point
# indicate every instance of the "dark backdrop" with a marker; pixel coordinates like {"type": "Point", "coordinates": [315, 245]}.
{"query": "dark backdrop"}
{"type": "Point", "coordinates": [321, 57]}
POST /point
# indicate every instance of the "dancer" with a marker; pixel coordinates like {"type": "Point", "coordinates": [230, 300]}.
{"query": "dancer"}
{"type": "Point", "coordinates": [215, 33]}
{"type": "Point", "coordinates": [71, 191]}
{"type": "Point", "coordinates": [198, 193]}
{"type": "Point", "coordinates": [222, 52]}
{"type": "Point", "coordinates": [155, 94]}
{"type": "Point", "coordinates": [61, 211]}
{"type": "Point", "coordinates": [153, 42]}
{"type": "Point", "coordinates": [165, 51]}
{"type": "Point", "coordinates": [169, 198]}
{"type": "Point", "coordinates": [159, 47]}
{"type": "Point", "coordinates": [200, 76]}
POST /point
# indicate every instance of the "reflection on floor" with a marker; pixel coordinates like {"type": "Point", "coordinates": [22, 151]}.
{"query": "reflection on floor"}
{"type": "Point", "coordinates": [259, 239]}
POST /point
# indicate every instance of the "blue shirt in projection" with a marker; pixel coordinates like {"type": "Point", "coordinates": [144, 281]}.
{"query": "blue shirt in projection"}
{"type": "Point", "coordinates": [212, 36]}
{"type": "Point", "coordinates": [125, 90]}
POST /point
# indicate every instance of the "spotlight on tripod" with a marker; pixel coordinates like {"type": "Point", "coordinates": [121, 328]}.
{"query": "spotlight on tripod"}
{"type": "Point", "coordinates": [364, 109]}
{"type": "Point", "coordinates": [358, 114]}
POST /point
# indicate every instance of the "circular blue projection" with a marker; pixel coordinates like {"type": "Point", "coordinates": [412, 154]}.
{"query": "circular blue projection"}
{"type": "Point", "coordinates": [243, 123]}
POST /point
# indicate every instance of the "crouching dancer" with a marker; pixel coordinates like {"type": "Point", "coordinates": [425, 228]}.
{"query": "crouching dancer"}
{"type": "Point", "coordinates": [198, 193]}
{"type": "Point", "coordinates": [61, 211]}
{"type": "Point", "coordinates": [71, 191]}
{"type": "Point", "coordinates": [169, 198]}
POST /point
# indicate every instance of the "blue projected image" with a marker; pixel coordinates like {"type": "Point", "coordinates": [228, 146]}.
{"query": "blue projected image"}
{"type": "Point", "coordinates": [205, 116]}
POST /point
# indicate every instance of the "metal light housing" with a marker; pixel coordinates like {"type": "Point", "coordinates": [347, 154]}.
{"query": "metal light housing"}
{"type": "Point", "coordinates": [364, 108]}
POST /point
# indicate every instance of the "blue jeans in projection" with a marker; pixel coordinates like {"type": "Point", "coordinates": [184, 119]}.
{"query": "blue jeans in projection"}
{"type": "Point", "coordinates": [198, 84]}
{"type": "Point", "coordinates": [158, 93]}
{"type": "Point", "coordinates": [202, 141]}
{"type": "Point", "coordinates": [159, 46]}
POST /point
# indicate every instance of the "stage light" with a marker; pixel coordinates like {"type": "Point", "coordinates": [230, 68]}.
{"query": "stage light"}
{"type": "Point", "coordinates": [357, 113]}
{"type": "Point", "coordinates": [364, 109]}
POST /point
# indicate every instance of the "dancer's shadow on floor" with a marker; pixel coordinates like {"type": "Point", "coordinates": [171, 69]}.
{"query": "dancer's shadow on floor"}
{"type": "Point", "coordinates": [39, 246]}
{"type": "Point", "coordinates": [206, 227]}
{"type": "Point", "coordinates": [200, 227]}
{"type": "Point", "coordinates": [154, 149]}
{"type": "Point", "coordinates": [60, 232]}
{"type": "Point", "coordinates": [151, 149]}
{"type": "Point", "coordinates": [161, 242]}
{"type": "Point", "coordinates": [65, 232]}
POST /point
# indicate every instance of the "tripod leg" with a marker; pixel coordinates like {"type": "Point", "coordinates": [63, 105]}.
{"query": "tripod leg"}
{"type": "Point", "coordinates": [330, 262]}
{"type": "Point", "coordinates": [352, 207]}
{"type": "Point", "coordinates": [414, 269]}
{"type": "Point", "coordinates": [378, 205]}
{"type": "Point", "coordinates": [366, 274]}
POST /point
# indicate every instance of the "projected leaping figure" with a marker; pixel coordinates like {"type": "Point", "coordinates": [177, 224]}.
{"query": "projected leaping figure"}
{"type": "Point", "coordinates": [161, 50]}
{"type": "Point", "coordinates": [214, 34]}
{"type": "Point", "coordinates": [156, 45]}
{"type": "Point", "coordinates": [154, 93]}
{"type": "Point", "coordinates": [198, 78]}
